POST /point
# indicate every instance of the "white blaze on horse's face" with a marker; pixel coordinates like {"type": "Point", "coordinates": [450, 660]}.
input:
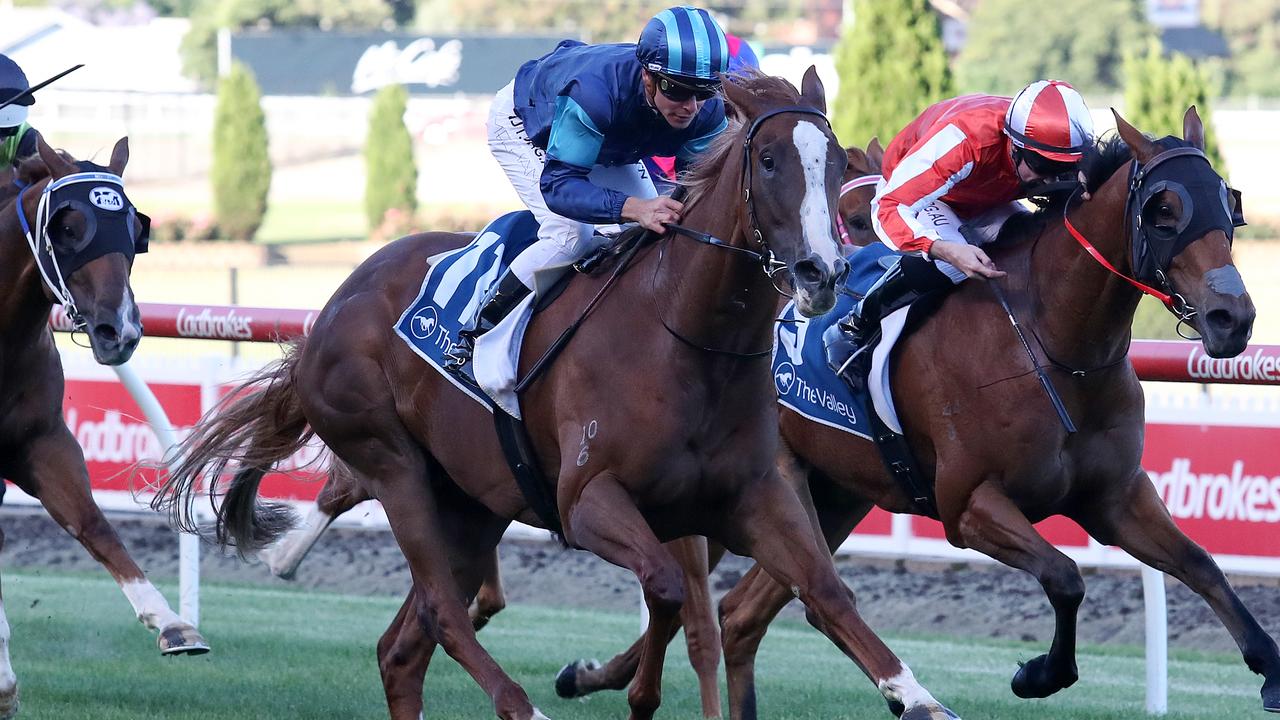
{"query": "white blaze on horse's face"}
{"type": "Point", "coordinates": [814, 147]}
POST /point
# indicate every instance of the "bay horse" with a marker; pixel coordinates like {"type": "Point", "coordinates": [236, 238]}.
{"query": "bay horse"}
{"type": "Point", "coordinates": [979, 423]}
{"type": "Point", "coordinates": [690, 326]}
{"type": "Point", "coordinates": [38, 453]}
{"type": "Point", "coordinates": [342, 491]}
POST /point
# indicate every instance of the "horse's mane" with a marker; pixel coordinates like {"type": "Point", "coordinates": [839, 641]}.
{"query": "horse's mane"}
{"type": "Point", "coordinates": [31, 169]}
{"type": "Point", "coordinates": [772, 92]}
{"type": "Point", "coordinates": [1108, 155]}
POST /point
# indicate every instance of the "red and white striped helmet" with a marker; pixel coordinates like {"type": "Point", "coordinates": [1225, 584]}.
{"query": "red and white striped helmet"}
{"type": "Point", "coordinates": [1050, 118]}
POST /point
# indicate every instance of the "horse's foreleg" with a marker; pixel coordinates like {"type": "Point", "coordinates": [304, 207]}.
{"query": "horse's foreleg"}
{"type": "Point", "coordinates": [747, 610]}
{"type": "Point", "coordinates": [768, 522]}
{"type": "Point", "coordinates": [994, 526]}
{"type": "Point", "coordinates": [8, 681]}
{"type": "Point", "coordinates": [701, 633]}
{"type": "Point", "coordinates": [340, 493]}
{"type": "Point", "coordinates": [1137, 520]}
{"type": "Point", "coordinates": [583, 677]}
{"type": "Point", "coordinates": [490, 599]}
{"type": "Point", "coordinates": [54, 471]}
{"type": "Point", "coordinates": [404, 652]}
{"type": "Point", "coordinates": [606, 521]}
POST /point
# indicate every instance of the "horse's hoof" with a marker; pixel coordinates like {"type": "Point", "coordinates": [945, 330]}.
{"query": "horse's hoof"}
{"type": "Point", "coordinates": [1034, 679]}
{"type": "Point", "coordinates": [9, 702]}
{"type": "Point", "coordinates": [181, 639]}
{"type": "Point", "coordinates": [928, 711]}
{"type": "Point", "coordinates": [567, 678]}
{"type": "Point", "coordinates": [537, 715]}
{"type": "Point", "coordinates": [1271, 697]}
{"type": "Point", "coordinates": [896, 707]}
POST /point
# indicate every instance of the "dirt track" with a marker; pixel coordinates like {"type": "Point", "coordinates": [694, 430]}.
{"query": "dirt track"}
{"type": "Point", "coordinates": [920, 598]}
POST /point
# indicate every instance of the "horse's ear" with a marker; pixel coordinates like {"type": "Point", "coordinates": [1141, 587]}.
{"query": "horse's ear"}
{"type": "Point", "coordinates": [740, 102]}
{"type": "Point", "coordinates": [1193, 129]}
{"type": "Point", "coordinates": [119, 156]}
{"type": "Point", "coordinates": [57, 165]}
{"type": "Point", "coordinates": [875, 154]}
{"type": "Point", "coordinates": [811, 90]}
{"type": "Point", "coordinates": [857, 159]}
{"type": "Point", "coordinates": [1141, 147]}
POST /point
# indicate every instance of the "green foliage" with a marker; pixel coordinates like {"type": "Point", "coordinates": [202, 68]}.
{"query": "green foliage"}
{"type": "Point", "coordinates": [199, 52]}
{"type": "Point", "coordinates": [1153, 321]}
{"type": "Point", "coordinates": [892, 66]}
{"type": "Point", "coordinates": [391, 177]}
{"type": "Point", "coordinates": [241, 170]}
{"type": "Point", "coordinates": [1159, 89]}
{"type": "Point", "coordinates": [1252, 30]}
{"type": "Point", "coordinates": [1013, 42]}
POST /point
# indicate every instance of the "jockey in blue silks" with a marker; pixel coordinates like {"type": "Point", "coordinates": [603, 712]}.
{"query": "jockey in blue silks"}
{"type": "Point", "coordinates": [570, 132]}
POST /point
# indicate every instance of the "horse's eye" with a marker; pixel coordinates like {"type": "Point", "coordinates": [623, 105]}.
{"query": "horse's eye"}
{"type": "Point", "coordinates": [767, 163]}
{"type": "Point", "coordinates": [1165, 210]}
{"type": "Point", "coordinates": [858, 222]}
{"type": "Point", "coordinates": [68, 231]}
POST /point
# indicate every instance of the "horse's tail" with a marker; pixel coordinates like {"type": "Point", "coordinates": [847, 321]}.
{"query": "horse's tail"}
{"type": "Point", "coordinates": [254, 427]}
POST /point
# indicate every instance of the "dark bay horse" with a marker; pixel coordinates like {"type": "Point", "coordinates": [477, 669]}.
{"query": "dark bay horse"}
{"type": "Point", "coordinates": [1000, 459]}
{"type": "Point", "coordinates": [677, 348]}
{"type": "Point", "coordinates": [37, 451]}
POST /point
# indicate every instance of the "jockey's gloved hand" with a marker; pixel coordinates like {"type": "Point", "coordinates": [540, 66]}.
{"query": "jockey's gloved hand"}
{"type": "Point", "coordinates": [652, 213]}
{"type": "Point", "coordinates": [970, 260]}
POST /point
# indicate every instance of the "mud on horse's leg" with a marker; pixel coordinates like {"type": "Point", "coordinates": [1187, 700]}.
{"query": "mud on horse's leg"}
{"type": "Point", "coordinates": [606, 521]}
{"type": "Point", "coordinates": [769, 523]}
{"type": "Point", "coordinates": [1137, 520]}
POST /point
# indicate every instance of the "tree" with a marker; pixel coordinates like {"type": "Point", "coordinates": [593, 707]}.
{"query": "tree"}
{"type": "Point", "coordinates": [892, 66]}
{"type": "Point", "coordinates": [241, 167]}
{"type": "Point", "coordinates": [391, 181]}
{"type": "Point", "coordinates": [1159, 89]}
{"type": "Point", "coordinates": [1252, 30]}
{"type": "Point", "coordinates": [1013, 42]}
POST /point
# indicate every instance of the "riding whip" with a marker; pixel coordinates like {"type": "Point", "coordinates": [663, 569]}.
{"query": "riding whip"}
{"type": "Point", "coordinates": [1040, 371]}
{"type": "Point", "coordinates": [31, 90]}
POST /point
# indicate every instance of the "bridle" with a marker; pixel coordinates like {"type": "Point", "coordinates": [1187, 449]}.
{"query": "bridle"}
{"type": "Point", "coordinates": [845, 189]}
{"type": "Point", "coordinates": [765, 257]}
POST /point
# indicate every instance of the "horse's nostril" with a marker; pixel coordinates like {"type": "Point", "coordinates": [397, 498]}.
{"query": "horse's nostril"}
{"type": "Point", "coordinates": [808, 272]}
{"type": "Point", "coordinates": [106, 332]}
{"type": "Point", "coordinates": [1220, 319]}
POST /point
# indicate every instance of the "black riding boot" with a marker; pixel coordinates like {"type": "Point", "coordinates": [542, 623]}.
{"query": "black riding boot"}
{"type": "Point", "coordinates": [909, 280]}
{"type": "Point", "coordinates": [508, 293]}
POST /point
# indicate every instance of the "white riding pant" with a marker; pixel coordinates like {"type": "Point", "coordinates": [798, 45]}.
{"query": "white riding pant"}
{"type": "Point", "coordinates": [561, 241]}
{"type": "Point", "coordinates": [939, 217]}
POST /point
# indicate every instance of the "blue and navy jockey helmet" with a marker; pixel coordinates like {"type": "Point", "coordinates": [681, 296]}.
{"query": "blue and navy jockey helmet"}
{"type": "Point", "coordinates": [12, 82]}
{"type": "Point", "coordinates": [684, 44]}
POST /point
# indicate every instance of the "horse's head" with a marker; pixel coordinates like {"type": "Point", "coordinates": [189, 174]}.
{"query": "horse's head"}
{"type": "Point", "coordinates": [1181, 218]}
{"type": "Point", "coordinates": [85, 233]}
{"type": "Point", "coordinates": [792, 170]}
{"type": "Point", "coordinates": [859, 187]}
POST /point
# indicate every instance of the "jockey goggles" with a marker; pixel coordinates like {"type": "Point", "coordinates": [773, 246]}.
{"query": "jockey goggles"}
{"type": "Point", "coordinates": [679, 92]}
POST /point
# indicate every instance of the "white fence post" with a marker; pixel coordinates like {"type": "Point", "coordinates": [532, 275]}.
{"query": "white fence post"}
{"type": "Point", "coordinates": [188, 545]}
{"type": "Point", "coordinates": [1157, 632]}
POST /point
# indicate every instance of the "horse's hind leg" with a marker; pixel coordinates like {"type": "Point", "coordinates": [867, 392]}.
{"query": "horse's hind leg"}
{"type": "Point", "coordinates": [490, 599]}
{"type": "Point", "coordinates": [994, 526]}
{"type": "Point", "coordinates": [53, 470]}
{"type": "Point", "coordinates": [583, 677]}
{"type": "Point", "coordinates": [340, 493]}
{"type": "Point", "coordinates": [1136, 519]}
{"type": "Point", "coordinates": [606, 521]}
{"type": "Point", "coordinates": [747, 610]}
{"type": "Point", "coordinates": [8, 681]}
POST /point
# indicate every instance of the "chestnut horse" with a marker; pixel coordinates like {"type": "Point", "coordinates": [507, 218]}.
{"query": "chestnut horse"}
{"type": "Point", "coordinates": [342, 492]}
{"type": "Point", "coordinates": [38, 453]}
{"type": "Point", "coordinates": [678, 347]}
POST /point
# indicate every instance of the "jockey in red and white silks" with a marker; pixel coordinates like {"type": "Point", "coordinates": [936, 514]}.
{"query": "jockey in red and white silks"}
{"type": "Point", "coordinates": [959, 159]}
{"type": "Point", "coordinates": [964, 156]}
